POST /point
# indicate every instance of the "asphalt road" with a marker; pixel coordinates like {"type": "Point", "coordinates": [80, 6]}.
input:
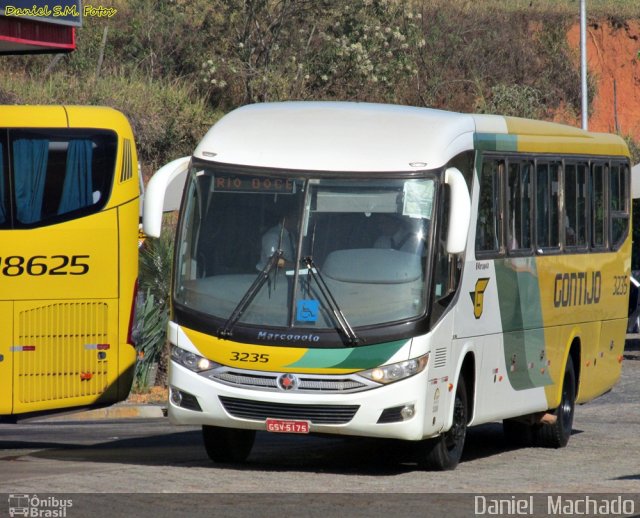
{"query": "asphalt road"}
{"type": "Point", "coordinates": [160, 468]}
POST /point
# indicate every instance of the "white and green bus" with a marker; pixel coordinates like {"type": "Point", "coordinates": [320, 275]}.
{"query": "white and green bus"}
{"type": "Point", "coordinates": [387, 271]}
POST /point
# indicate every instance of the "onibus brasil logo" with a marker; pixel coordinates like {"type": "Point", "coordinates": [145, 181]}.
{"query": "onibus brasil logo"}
{"type": "Point", "coordinates": [38, 507]}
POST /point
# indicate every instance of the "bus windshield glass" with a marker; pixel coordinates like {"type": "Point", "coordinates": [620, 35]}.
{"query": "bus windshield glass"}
{"type": "Point", "coordinates": [294, 252]}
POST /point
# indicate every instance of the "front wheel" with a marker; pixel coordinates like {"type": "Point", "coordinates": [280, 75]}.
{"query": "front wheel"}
{"type": "Point", "coordinates": [444, 452]}
{"type": "Point", "coordinates": [227, 444]}
{"type": "Point", "coordinates": [556, 434]}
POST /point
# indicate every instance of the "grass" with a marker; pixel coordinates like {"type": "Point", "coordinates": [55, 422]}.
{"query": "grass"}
{"type": "Point", "coordinates": [168, 117]}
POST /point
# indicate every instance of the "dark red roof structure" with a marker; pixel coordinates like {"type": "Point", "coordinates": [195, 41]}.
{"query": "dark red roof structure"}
{"type": "Point", "coordinates": [39, 26]}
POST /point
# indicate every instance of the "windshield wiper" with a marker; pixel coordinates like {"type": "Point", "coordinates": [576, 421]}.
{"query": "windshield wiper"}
{"type": "Point", "coordinates": [226, 330]}
{"type": "Point", "coordinates": [314, 272]}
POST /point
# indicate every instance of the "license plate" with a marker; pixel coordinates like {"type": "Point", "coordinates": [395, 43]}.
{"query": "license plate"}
{"type": "Point", "coordinates": [287, 426]}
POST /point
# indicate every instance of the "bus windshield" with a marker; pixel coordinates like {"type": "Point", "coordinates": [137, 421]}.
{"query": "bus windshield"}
{"type": "Point", "coordinates": [287, 251]}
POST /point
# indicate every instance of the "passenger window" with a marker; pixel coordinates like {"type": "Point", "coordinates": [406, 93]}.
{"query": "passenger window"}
{"type": "Point", "coordinates": [58, 174]}
{"type": "Point", "coordinates": [488, 229]}
{"type": "Point", "coordinates": [519, 207]}
{"type": "Point", "coordinates": [575, 204]}
{"type": "Point", "coordinates": [618, 182]}
{"type": "Point", "coordinates": [598, 207]}
{"type": "Point", "coordinates": [547, 205]}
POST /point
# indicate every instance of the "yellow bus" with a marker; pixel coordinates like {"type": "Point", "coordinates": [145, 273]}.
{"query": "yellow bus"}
{"type": "Point", "coordinates": [69, 211]}
{"type": "Point", "coordinates": [388, 271]}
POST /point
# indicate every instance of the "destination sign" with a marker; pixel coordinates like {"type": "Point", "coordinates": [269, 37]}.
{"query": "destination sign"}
{"type": "Point", "coordinates": [257, 184]}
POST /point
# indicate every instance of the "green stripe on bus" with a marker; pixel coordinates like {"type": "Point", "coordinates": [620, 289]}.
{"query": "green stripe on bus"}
{"type": "Point", "coordinates": [518, 293]}
{"type": "Point", "coordinates": [521, 318]}
{"type": "Point", "coordinates": [363, 357]}
{"type": "Point", "coordinates": [495, 142]}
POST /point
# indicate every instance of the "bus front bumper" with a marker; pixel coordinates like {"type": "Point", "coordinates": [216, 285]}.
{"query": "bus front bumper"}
{"type": "Point", "coordinates": [397, 410]}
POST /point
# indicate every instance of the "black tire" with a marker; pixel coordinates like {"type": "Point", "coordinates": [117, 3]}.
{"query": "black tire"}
{"type": "Point", "coordinates": [557, 435]}
{"type": "Point", "coordinates": [444, 452]}
{"type": "Point", "coordinates": [227, 444]}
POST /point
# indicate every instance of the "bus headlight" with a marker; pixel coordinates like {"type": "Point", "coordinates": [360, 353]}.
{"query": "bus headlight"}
{"type": "Point", "coordinates": [397, 371]}
{"type": "Point", "coordinates": [191, 361]}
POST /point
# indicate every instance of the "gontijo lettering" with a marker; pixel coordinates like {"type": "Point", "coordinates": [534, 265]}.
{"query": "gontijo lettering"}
{"type": "Point", "coordinates": [577, 289]}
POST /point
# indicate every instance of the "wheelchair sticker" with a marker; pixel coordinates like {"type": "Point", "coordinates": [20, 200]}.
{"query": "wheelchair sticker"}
{"type": "Point", "coordinates": [307, 310]}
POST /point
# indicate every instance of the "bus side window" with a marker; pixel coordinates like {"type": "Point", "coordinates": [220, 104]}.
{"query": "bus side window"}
{"type": "Point", "coordinates": [441, 261]}
{"type": "Point", "coordinates": [547, 206]}
{"type": "Point", "coordinates": [575, 205]}
{"type": "Point", "coordinates": [60, 174]}
{"type": "Point", "coordinates": [619, 211]}
{"type": "Point", "coordinates": [447, 267]}
{"type": "Point", "coordinates": [519, 208]}
{"type": "Point", "coordinates": [598, 207]}
{"type": "Point", "coordinates": [489, 227]}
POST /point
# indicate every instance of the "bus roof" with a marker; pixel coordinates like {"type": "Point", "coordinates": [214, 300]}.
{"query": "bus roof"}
{"type": "Point", "coordinates": [351, 136]}
{"type": "Point", "coordinates": [47, 116]}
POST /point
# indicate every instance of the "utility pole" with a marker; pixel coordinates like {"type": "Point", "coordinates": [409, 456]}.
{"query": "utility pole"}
{"type": "Point", "coordinates": [583, 64]}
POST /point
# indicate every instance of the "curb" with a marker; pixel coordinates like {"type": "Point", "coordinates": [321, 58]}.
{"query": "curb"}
{"type": "Point", "coordinates": [119, 411]}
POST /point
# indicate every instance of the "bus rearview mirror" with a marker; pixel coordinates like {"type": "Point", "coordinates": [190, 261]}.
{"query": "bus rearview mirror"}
{"type": "Point", "coordinates": [164, 188]}
{"type": "Point", "coordinates": [459, 211]}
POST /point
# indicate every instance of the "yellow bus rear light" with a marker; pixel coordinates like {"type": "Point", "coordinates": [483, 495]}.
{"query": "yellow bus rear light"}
{"type": "Point", "coordinates": [22, 348]}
